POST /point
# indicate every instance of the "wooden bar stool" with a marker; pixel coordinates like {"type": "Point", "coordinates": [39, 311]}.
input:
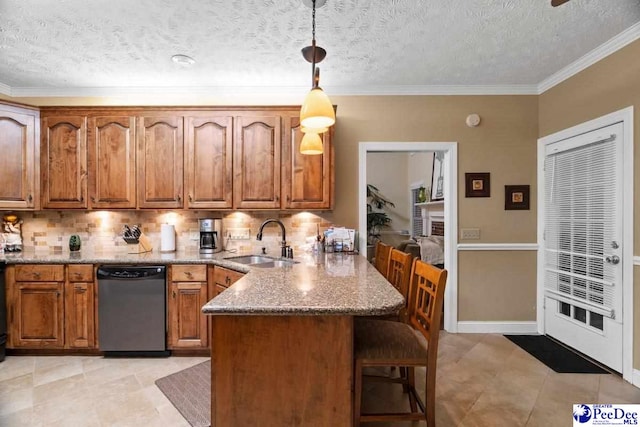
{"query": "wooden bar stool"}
{"type": "Point", "coordinates": [381, 259]}
{"type": "Point", "coordinates": [382, 343]}
{"type": "Point", "coordinates": [399, 275]}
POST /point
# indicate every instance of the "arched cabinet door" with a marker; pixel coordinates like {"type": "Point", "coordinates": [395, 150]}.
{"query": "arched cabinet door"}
{"type": "Point", "coordinates": [307, 180]}
{"type": "Point", "coordinates": [18, 162]}
{"type": "Point", "coordinates": [112, 162]}
{"type": "Point", "coordinates": [208, 162]}
{"type": "Point", "coordinates": [159, 163]}
{"type": "Point", "coordinates": [256, 162]}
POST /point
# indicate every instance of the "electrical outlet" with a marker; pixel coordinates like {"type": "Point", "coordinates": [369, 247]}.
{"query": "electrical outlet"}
{"type": "Point", "coordinates": [238, 233]}
{"type": "Point", "coordinates": [194, 235]}
{"type": "Point", "coordinates": [469, 234]}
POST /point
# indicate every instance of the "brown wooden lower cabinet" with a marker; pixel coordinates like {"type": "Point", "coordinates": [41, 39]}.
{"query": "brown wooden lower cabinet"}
{"type": "Point", "coordinates": [188, 292]}
{"type": "Point", "coordinates": [36, 306]}
{"type": "Point", "coordinates": [79, 307]}
{"type": "Point", "coordinates": [47, 311]}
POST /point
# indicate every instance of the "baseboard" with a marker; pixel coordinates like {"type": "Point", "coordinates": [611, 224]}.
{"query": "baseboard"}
{"type": "Point", "coordinates": [494, 327]}
{"type": "Point", "coordinates": [636, 378]}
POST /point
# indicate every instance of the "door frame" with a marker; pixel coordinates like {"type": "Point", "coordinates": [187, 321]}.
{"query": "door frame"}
{"type": "Point", "coordinates": [450, 211]}
{"type": "Point", "coordinates": [626, 117]}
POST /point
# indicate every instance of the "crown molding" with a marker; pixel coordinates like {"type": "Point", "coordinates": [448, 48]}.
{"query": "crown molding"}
{"type": "Point", "coordinates": [614, 44]}
{"type": "Point", "coordinates": [273, 91]}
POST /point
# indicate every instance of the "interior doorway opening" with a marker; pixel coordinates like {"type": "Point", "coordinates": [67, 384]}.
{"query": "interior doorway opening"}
{"type": "Point", "coordinates": [448, 190]}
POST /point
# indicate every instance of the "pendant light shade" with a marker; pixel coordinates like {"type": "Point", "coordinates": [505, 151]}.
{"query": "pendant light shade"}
{"type": "Point", "coordinates": [304, 129]}
{"type": "Point", "coordinates": [311, 144]}
{"type": "Point", "coordinates": [317, 111]}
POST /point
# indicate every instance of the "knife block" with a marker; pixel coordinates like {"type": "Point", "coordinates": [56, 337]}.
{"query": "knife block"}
{"type": "Point", "coordinates": [143, 242]}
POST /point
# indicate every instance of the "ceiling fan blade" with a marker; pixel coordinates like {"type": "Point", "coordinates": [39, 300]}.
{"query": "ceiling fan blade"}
{"type": "Point", "coordinates": [556, 3]}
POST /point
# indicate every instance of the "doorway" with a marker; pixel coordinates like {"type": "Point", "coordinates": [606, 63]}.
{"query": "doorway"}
{"type": "Point", "coordinates": [585, 261]}
{"type": "Point", "coordinates": [450, 162]}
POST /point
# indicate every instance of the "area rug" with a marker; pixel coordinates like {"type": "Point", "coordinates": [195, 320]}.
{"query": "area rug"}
{"type": "Point", "coordinates": [554, 355]}
{"type": "Point", "coordinates": [189, 391]}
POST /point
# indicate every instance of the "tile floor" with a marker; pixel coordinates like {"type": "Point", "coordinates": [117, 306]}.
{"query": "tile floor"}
{"type": "Point", "coordinates": [483, 380]}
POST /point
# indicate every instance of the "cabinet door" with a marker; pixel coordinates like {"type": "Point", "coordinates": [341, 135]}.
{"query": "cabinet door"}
{"type": "Point", "coordinates": [37, 318]}
{"type": "Point", "coordinates": [112, 162]}
{"type": "Point", "coordinates": [160, 158]}
{"type": "Point", "coordinates": [64, 162]}
{"type": "Point", "coordinates": [256, 162]}
{"type": "Point", "coordinates": [18, 162]}
{"type": "Point", "coordinates": [209, 165]}
{"type": "Point", "coordinates": [307, 181]}
{"type": "Point", "coordinates": [188, 326]}
{"type": "Point", "coordinates": [79, 316]}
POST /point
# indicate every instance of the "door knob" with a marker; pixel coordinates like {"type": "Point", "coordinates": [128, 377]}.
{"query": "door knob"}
{"type": "Point", "coordinates": [615, 259]}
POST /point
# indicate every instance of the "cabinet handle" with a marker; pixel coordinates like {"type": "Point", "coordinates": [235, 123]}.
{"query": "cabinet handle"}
{"type": "Point", "coordinates": [80, 288]}
{"type": "Point", "coordinates": [277, 198]}
{"type": "Point", "coordinates": [82, 198]}
{"type": "Point", "coordinates": [288, 199]}
{"type": "Point", "coordinates": [30, 198]}
{"type": "Point", "coordinates": [227, 280]}
{"type": "Point", "coordinates": [178, 198]}
{"type": "Point", "coordinates": [36, 274]}
{"type": "Point", "coordinates": [189, 275]}
{"type": "Point", "coordinates": [174, 294]}
{"type": "Point", "coordinates": [190, 198]}
{"type": "Point", "coordinates": [93, 199]}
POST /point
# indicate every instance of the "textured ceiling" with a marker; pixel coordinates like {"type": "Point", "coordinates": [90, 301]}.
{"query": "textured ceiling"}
{"type": "Point", "coordinates": [374, 44]}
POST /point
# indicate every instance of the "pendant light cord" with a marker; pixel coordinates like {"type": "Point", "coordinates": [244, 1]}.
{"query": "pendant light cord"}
{"type": "Point", "coordinates": [314, 82]}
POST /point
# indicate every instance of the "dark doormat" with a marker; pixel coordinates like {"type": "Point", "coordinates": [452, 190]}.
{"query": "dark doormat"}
{"type": "Point", "coordinates": [189, 391]}
{"type": "Point", "coordinates": [554, 355]}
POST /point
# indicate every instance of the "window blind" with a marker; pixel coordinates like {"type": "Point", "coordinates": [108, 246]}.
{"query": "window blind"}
{"type": "Point", "coordinates": [581, 216]}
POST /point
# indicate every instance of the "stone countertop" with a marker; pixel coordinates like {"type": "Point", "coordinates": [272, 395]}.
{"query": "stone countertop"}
{"type": "Point", "coordinates": [122, 257]}
{"type": "Point", "coordinates": [329, 284]}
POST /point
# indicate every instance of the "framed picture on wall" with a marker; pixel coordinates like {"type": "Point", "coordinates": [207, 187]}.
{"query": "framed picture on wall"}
{"type": "Point", "coordinates": [437, 177]}
{"type": "Point", "coordinates": [477, 184]}
{"type": "Point", "coordinates": [516, 197]}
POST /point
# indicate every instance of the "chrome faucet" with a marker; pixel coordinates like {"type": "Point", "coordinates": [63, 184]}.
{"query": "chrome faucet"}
{"type": "Point", "coordinates": [286, 251]}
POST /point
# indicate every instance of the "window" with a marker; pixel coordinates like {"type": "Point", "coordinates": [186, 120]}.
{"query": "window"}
{"type": "Point", "coordinates": [416, 212]}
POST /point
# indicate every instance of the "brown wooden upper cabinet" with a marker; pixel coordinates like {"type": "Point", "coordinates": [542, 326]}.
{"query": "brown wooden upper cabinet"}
{"type": "Point", "coordinates": [112, 162]}
{"type": "Point", "coordinates": [256, 162]}
{"type": "Point", "coordinates": [160, 162]}
{"type": "Point", "coordinates": [208, 162]}
{"type": "Point", "coordinates": [19, 170]}
{"type": "Point", "coordinates": [64, 162]}
{"type": "Point", "coordinates": [307, 181]}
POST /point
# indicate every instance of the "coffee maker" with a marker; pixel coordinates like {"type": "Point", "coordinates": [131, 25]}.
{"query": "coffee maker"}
{"type": "Point", "coordinates": [210, 231]}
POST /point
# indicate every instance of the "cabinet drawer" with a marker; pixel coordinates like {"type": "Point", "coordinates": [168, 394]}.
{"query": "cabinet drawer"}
{"type": "Point", "coordinates": [189, 273]}
{"type": "Point", "coordinates": [39, 273]}
{"type": "Point", "coordinates": [80, 273]}
{"type": "Point", "coordinates": [224, 277]}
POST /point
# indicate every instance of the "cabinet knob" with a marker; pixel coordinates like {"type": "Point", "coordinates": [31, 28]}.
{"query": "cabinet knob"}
{"type": "Point", "coordinates": [190, 198]}
{"type": "Point", "coordinates": [30, 198]}
{"type": "Point", "coordinates": [178, 198]}
{"type": "Point", "coordinates": [36, 274]}
{"type": "Point", "coordinates": [189, 275]}
{"type": "Point", "coordinates": [174, 294]}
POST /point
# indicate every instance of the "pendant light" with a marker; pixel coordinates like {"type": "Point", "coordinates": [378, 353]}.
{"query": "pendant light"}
{"type": "Point", "coordinates": [316, 114]}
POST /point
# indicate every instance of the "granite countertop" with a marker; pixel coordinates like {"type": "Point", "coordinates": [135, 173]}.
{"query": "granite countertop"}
{"type": "Point", "coordinates": [328, 284]}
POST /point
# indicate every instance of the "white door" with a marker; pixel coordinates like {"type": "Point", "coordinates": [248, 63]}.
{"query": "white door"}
{"type": "Point", "coordinates": [583, 243]}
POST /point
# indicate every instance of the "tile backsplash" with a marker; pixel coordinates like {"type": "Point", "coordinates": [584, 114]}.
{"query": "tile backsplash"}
{"type": "Point", "coordinates": [101, 231]}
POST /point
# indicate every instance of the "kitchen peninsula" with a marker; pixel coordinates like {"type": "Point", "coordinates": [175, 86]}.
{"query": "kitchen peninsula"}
{"type": "Point", "coordinates": [282, 341]}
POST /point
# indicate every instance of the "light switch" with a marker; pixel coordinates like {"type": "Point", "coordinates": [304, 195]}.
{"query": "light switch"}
{"type": "Point", "coordinates": [469, 234]}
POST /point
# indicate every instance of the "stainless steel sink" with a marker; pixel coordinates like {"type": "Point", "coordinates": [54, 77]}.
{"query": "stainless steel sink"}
{"type": "Point", "coordinates": [250, 259]}
{"type": "Point", "coordinates": [261, 261]}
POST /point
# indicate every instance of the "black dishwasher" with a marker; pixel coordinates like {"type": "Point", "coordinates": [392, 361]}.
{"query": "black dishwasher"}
{"type": "Point", "coordinates": [132, 310]}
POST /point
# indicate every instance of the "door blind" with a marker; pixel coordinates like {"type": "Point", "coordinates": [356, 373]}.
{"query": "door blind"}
{"type": "Point", "coordinates": [581, 217]}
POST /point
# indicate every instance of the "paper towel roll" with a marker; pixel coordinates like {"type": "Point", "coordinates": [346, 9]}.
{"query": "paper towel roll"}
{"type": "Point", "coordinates": [167, 238]}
